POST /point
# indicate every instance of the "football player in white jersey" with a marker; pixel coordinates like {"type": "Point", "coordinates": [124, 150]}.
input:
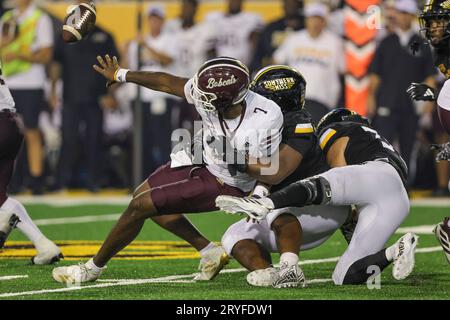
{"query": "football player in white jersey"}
{"type": "Point", "coordinates": [12, 212]}
{"type": "Point", "coordinates": [194, 41]}
{"type": "Point", "coordinates": [247, 124]}
{"type": "Point", "coordinates": [236, 32]}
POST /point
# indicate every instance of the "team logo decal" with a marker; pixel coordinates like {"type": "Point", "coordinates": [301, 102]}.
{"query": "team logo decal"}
{"type": "Point", "coordinates": [279, 84]}
{"type": "Point", "coordinates": [446, 4]}
{"type": "Point", "coordinates": [213, 83]}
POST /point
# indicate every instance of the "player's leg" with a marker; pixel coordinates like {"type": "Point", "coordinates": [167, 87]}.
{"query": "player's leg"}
{"type": "Point", "coordinates": [12, 213]}
{"type": "Point", "coordinates": [194, 192]}
{"type": "Point", "coordinates": [318, 221]}
{"type": "Point", "coordinates": [379, 217]}
{"type": "Point", "coordinates": [213, 257]}
{"type": "Point", "coordinates": [127, 227]}
{"type": "Point", "coordinates": [250, 244]}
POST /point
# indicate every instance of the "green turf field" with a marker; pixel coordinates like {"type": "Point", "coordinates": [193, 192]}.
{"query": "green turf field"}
{"type": "Point", "coordinates": [157, 266]}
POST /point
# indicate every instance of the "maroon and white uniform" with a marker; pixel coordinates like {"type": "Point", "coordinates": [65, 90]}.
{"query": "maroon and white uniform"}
{"type": "Point", "coordinates": [11, 137]}
{"type": "Point", "coordinates": [443, 102]}
{"type": "Point", "coordinates": [187, 188]}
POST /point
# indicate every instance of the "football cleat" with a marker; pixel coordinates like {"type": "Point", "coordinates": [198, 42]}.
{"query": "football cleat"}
{"type": "Point", "coordinates": [404, 260]}
{"type": "Point", "coordinates": [290, 276]}
{"type": "Point", "coordinates": [255, 208]}
{"type": "Point", "coordinates": [442, 232]}
{"type": "Point", "coordinates": [8, 222]}
{"type": "Point", "coordinates": [77, 274]}
{"type": "Point", "coordinates": [48, 253]}
{"type": "Point", "coordinates": [211, 263]}
{"type": "Point", "coordinates": [263, 277]}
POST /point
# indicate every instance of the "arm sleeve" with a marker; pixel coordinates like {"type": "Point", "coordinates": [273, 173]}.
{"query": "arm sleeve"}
{"type": "Point", "coordinates": [298, 132]}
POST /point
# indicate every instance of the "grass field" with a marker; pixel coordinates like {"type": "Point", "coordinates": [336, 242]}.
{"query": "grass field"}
{"type": "Point", "coordinates": [159, 266]}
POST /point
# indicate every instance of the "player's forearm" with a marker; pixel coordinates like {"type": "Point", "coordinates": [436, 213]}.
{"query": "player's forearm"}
{"type": "Point", "coordinates": [158, 81]}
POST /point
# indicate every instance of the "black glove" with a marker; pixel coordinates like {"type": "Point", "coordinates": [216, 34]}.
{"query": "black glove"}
{"type": "Point", "coordinates": [421, 92]}
{"type": "Point", "coordinates": [236, 160]}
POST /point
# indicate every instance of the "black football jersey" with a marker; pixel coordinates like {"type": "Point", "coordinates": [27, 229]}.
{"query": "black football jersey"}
{"type": "Point", "coordinates": [365, 144]}
{"type": "Point", "coordinates": [299, 134]}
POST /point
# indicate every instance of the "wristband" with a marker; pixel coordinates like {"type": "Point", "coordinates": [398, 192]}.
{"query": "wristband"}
{"type": "Point", "coordinates": [121, 75]}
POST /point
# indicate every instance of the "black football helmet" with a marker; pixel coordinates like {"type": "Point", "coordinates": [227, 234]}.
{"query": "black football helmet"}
{"type": "Point", "coordinates": [220, 83]}
{"type": "Point", "coordinates": [436, 11]}
{"type": "Point", "coordinates": [340, 115]}
{"type": "Point", "coordinates": [281, 84]}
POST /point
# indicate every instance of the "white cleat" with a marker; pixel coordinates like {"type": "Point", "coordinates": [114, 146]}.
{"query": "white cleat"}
{"type": "Point", "coordinates": [8, 222]}
{"type": "Point", "coordinates": [48, 253]}
{"type": "Point", "coordinates": [290, 277]}
{"type": "Point", "coordinates": [255, 208]}
{"type": "Point", "coordinates": [211, 263]}
{"type": "Point", "coordinates": [263, 277]}
{"type": "Point", "coordinates": [77, 274]}
{"type": "Point", "coordinates": [404, 259]}
{"type": "Point", "coordinates": [442, 232]}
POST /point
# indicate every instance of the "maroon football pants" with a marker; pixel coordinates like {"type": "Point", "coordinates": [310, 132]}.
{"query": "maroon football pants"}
{"type": "Point", "coordinates": [190, 189]}
{"type": "Point", "coordinates": [11, 138]}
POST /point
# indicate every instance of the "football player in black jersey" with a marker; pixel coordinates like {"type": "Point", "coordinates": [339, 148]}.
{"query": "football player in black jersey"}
{"type": "Point", "coordinates": [292, 228]}
{"type": "Point", "coordinates": [435, 23]}
{"type": "Point", "coordinates": [366, 172]}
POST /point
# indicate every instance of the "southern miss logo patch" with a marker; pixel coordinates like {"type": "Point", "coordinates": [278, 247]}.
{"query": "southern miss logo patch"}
{"type": "Point", "coordinates": [279, 84]}
{"type": "Point", "coordinates": [446, 5]}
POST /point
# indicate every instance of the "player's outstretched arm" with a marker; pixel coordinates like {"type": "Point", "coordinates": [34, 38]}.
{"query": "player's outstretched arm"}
{"type": "Point", "coordinates": [158, 81]}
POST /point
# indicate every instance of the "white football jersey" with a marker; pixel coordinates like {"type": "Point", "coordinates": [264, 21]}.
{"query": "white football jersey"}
{"type": "Point", "coordinates": [192, 44]}
{"type": "Point", "coordinates": [233, 32]}
{"type": "Point", "coordinates": [163, 44]}
{"type": "Point", "coordinates": [6, 100]}
{"type": "Point", "coordinates": [320, 60]}
{"type": "Point", "coordinates": [258, 132]}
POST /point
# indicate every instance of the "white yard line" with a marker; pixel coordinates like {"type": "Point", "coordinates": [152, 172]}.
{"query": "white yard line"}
{"type": "Point", "coordinates": [82, 219]}
{"type": "Point", "coordinates": [66, 200]}
{"type": "Point", "coordinates": [4, 278]}
{"type": "Point", "coordinates": [174, 278]}
{"type": "Point", "coordinates": [424, 229]}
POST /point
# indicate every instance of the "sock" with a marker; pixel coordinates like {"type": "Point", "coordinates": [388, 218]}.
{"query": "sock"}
{"type": "Point", "coordinates": [211, 245]}
{"type": "Point", "coordinates": [289, 257]}
{"type": "Point", "coordinates": [390, 253]}
{"type": "Point", "coordinates": [26, 225]}
{"type": "Point", "coordinates": [357, 273]}
{"type": "Point", "coordinates": [91, 265]}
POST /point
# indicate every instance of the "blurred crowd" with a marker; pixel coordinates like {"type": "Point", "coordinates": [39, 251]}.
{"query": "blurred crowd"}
{"type": "Point", "coordinates": [79, 133]}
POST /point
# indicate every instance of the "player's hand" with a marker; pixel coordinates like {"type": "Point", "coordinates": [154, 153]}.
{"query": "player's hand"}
{"type": "Point", "coordinates": [236, 160]}
{"type": "Point", "coordinates": [107, 67]}
{"type": "Point", "coordinates": [443, 151]}
{"type": "Point", "coordinates": [421, 92]}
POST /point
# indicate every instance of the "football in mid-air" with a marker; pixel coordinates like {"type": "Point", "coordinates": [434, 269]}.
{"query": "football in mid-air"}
{"type": "Point", "coordinates": [79, 22]}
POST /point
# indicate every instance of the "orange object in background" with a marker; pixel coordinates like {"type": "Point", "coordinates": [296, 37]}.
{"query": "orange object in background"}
{"type": "Point", "coordinates": [359, 50]}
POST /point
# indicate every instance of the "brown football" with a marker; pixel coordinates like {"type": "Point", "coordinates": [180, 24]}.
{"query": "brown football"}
{"type": "Point", "coordinates": [79, 22]}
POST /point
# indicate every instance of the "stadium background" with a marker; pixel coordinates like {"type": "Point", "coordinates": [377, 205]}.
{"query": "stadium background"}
{"type": "Point", "coordinates": [158, 266]}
